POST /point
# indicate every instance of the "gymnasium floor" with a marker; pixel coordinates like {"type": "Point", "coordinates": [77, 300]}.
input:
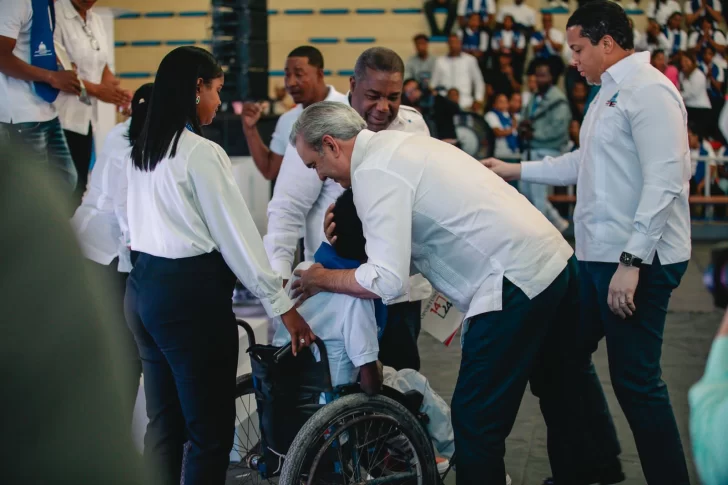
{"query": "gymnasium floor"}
{"type": "Point", "coordinates": [691, 325]}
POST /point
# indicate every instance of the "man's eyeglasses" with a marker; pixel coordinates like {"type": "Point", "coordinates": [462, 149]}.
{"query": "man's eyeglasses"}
{"type": "Point", "coordinates": [94, 43]}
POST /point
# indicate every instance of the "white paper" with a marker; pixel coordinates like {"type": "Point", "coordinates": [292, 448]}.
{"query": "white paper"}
{"type": "Point", "coordinates": [440, 318]}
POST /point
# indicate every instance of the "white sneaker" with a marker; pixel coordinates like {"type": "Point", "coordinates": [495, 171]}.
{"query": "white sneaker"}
{"type": "Point", "coordinates": [508, 480]}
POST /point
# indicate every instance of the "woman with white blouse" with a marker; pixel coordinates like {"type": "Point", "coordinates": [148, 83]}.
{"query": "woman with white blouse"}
{"type": "Point", "coordinates": [81, 33]}
{"type": "Point", "coordinates": [504, 127]}
{"type": "Point", "coordinates": [194, 235]}
{"type": "Point", "coordinates": [694, 90]}
{"type": "Point", "coordinates": [100, 220]}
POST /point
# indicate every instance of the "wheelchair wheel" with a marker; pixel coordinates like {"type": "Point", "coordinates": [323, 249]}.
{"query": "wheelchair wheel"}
{"type": "Point", "coordinates": [246, 447]}
{"type": "Point", "coordinates": [357, 439]}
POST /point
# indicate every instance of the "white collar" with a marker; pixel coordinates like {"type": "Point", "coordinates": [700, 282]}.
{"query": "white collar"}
{"type": "Point", "coordinates": [360, 148]}
{"type": "Point", "coordinates": [619, 70]}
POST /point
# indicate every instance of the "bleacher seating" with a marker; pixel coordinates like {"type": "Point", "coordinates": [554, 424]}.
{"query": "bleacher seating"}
{"type": "Point", "coordinates": [341, 31]}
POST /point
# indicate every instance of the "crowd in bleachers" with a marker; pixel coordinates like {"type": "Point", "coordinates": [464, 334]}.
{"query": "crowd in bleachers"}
{"type": "Point", "coordinates": [493, 51]}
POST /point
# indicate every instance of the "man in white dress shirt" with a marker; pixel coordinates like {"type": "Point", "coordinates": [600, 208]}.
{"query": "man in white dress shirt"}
{"type": "Point", "coordinates": [460, 70]}
{"type": "Point", "coordinates": [300, 198]}
{"type": "Point", "coordinates": [632, 221]}
{"type": "Point", "coordinates": [427, 207]}
{"type": "Point", "coordinates": [304, 81]}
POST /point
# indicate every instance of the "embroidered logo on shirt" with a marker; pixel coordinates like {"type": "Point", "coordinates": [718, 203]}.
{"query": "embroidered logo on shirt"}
{"type": "Point", "coordinates": [42, 51]}
{"type": "Point", "coordinates": [613, 100]}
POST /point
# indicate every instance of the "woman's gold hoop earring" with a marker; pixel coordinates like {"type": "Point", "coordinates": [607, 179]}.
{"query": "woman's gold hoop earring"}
{"type": "Point", "coordinates": [197, 100]}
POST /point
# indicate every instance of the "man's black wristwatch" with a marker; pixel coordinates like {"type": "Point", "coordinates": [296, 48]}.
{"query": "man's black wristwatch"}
{"type": "Point", "coordinates": [630, 260]}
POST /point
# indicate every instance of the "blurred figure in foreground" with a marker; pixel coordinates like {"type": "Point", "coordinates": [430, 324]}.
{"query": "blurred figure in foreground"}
{"type": "Point", "coordinates": [709, 413]}
{"type": "Point", "coordinates": [62, 399]}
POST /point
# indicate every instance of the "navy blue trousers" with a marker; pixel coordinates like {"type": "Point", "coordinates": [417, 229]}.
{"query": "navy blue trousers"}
{"type": "Point", "coordinates": [180, 311]}
{"type": "Point", "coordinates": [538, 341]}
{"type": "Point", "coordinates": [398, 345]}
{"type": "Point", "coordinates": [634, 347]}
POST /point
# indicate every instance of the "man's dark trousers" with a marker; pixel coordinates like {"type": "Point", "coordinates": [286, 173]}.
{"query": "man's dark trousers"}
{"type": "Point", "coordinates": [534, 340]}
{"type": "Point", "coordinates": [634, 348]}
{"type": "Point", "coordinates": [398, 345]}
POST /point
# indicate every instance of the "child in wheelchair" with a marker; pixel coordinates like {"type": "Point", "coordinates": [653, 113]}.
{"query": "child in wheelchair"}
{"type": "Point", "coordinates": [350, 327]}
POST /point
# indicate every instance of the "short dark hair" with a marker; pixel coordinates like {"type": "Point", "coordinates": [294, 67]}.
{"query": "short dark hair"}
{"type": "Point", "coordinates": [421, 37]}
{"type": "Point", "coordinates": [139, 105]}
{"type": "Point", "coordinates": [314, 56]}
{"type": "Point", "coordinates": [599, 18]}
{"type": "Point", "coordinates": [410, 80]}
{"type": "Point", "coordinates": [350, 242]}
{"type": "Point", "coordinates": [673, 14]}
{"type": "Point", "coordinates": [656, 52]}
{"type": "Point", "coordinates": [173, 104]}
{"type": "Point", "coordinates": [710, 48]}
{"type": "Point", "coordinates": [378, 59]}
{"type": "Point", "coordinates": [541, 62]}
{"type": "Point", "coordinates": [691, 56]}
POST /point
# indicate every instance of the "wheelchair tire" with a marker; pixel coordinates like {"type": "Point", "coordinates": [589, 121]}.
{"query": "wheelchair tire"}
{"type": "Point", "coordinates": [247, 441]}
{"type": "Point", "coordinates": [304, 446]}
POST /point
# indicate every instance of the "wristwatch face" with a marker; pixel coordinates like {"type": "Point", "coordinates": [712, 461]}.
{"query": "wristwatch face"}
{"type": "Point", "coordinates": [626, 259]}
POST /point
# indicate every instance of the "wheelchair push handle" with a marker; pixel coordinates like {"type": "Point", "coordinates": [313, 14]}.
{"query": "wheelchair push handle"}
{"type": "Point", "coordinates": [288, 349]}
{"type": "Point", "coordinates": [283, 352]}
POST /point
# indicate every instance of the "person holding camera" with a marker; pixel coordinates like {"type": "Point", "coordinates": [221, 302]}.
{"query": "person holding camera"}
{"type": "Point", "coordinates": [544, 130]}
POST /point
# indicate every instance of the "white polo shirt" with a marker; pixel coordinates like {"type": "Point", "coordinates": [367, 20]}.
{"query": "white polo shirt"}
{"type": "Point", "coordinates": [98, 220]}
{"type": "Point", "coordinates": [556, 36]}
{"type": "Point", "coordinates": [90, 63]}
{"type": "Point", "coordinates": [300, 200]}
{"type": "Point", "coordinates": [673, 39]}
{"type": "Point", "coordinates": [718, 38]}
{"type": "Point", "coordinates": [522, 14]}
{"type": "Point", "coordinates": [714, 4]}
{"type": "Point", "coordinates": [694, 89]}
{"type": "Point", "coordinates": [279, 141]}
{"type": "Point", "coordinates": [463, 73]}
{"type": "Point", "coordinates": [345, 324]}
{"type": "Point", "coordinates": [632, 171]}
{"type": "Point", "coordinates": [476, 4]}
{"type": "Point", "coordinates": [501, 142]}
{"type": "Point", "coordinates": [190, 205]}
{"type": "Point", "coordinates": [663, 12]}
{"type": "Point", "coordinates": [18, 101]}
{"type": "Point", "coordinates": [505, 39]}
{"type": "Point", "coordinates": [428, 206]}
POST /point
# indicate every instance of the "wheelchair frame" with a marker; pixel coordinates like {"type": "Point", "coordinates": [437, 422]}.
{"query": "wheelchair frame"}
{"type": "Point", "coordinates": [388, 406]}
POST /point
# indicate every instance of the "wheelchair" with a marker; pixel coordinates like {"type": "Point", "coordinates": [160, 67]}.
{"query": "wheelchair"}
{"type": "Point", "coordinates": [285, 435]}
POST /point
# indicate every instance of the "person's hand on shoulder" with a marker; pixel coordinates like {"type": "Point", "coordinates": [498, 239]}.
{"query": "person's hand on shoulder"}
{"type": "Point", "coordinates": [507, 171]}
